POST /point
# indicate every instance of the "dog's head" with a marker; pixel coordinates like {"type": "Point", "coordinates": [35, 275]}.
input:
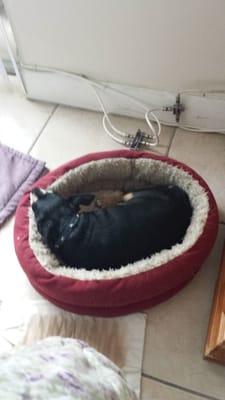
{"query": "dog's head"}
{"type": "Point", "coordinates": [51, 211]}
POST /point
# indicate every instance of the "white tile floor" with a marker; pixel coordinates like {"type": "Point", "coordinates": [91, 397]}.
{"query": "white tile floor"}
{"type": "Point", "coordinates": [173, 365]}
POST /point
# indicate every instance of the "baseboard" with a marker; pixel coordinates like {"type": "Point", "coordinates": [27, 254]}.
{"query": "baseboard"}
{"type": "Point", "coordinates": [201, 111]}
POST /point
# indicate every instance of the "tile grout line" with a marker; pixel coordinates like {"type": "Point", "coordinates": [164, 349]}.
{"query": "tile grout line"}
{"type": "Point", "coordinates": [171, 142]}
{"type": "Point", "coordinates": [173, 385]}
{"type": "Point", "coordinates": [42, 129]}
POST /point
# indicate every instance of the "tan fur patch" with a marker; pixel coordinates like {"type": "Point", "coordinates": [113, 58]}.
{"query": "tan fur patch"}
{"type": "Point", "coordinates": [103, 199]}
{"type": "Point", "coordinates": [109, 198]}
{"type": "Point", "coordinates": [89, 208]}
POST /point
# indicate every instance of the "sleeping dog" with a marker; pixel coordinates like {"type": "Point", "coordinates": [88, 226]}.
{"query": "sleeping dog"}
{"type": "Point", "coordinates": [145, 222]}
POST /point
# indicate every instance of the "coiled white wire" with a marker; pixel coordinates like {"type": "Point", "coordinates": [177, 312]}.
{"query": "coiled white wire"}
{"type": "Point", "coordinates": [124, 137]}
{"type": "Point", "coordinates": [121, 137]}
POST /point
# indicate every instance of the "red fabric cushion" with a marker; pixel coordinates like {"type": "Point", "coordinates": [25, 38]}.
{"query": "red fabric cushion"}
{"type": "Point", "coordinates": [119, 296]}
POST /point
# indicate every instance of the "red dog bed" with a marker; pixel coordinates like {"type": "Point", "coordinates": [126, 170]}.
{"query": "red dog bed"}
{"type": "Point", "coordinates": [135, 286]}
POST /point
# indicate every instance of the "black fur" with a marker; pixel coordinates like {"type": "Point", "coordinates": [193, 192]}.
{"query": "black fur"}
{"type": "Point", "coordinates": [154, 219]}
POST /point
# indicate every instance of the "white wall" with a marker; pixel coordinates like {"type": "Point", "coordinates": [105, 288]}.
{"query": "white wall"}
{"type": "Point", "coordinates": [158, 44]}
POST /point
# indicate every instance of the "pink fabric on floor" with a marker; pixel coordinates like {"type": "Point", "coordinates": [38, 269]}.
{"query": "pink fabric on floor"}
{"type": "Point", "coordinates": [18, 172]}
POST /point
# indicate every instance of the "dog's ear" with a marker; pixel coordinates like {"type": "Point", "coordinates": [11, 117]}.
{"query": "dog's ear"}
{"type": "Point", "coordinates": [38, 193]}
{"type": "Point", "coordinates": [81, 199]}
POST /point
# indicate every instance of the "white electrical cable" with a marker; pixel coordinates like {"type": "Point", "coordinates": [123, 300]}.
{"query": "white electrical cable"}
{"type": "Point", "coordinates": [201, 91]}
{"type": "Point", "coordinates": [148, 140]}
{"type": "Point", "coordinates": [106, 117]}
{"type": "Point", "coordinates": [194, 129]}
{"type": "Point", "coordinates": [154, 140]}
{"type": "Point", "coordinates": [185, 127]}
{"type": "Point", "coordinates": [127, 137]}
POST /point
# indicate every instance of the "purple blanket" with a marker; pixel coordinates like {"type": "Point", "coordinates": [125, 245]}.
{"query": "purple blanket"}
{"type": "Point", "coordinates": [18, 172]}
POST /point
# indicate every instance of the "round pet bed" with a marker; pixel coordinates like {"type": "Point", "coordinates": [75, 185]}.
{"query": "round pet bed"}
{"type": "Point", "coordinates": [135, 286]}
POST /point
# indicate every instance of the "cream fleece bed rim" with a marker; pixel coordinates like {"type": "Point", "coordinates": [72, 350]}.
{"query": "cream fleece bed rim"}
{"type": "Point", "coordinates": [123, 173]}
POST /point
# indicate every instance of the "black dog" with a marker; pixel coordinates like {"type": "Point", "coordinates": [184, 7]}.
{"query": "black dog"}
{"type": "Point", "coordinates": [145, 223]}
